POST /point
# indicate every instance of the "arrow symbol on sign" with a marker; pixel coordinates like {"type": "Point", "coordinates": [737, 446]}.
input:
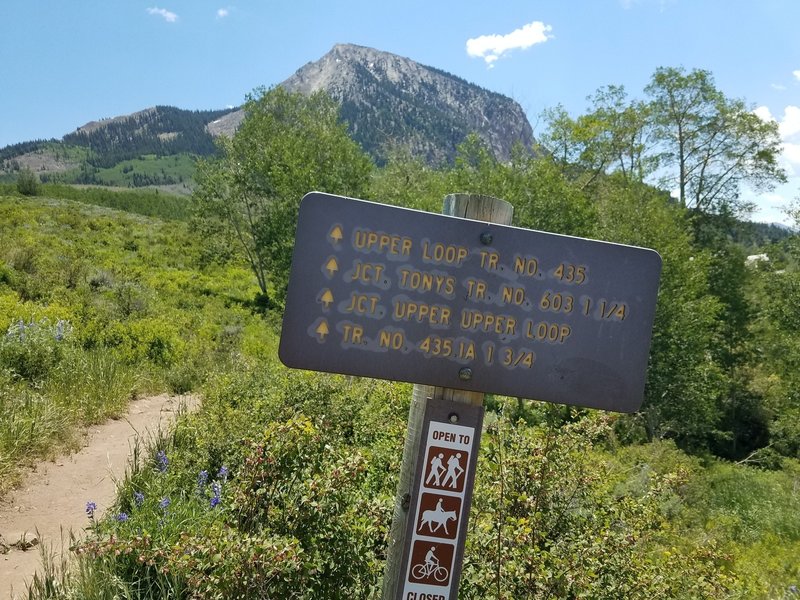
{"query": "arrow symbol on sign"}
{"type": "Point", "coordinates": [332, 266]}
{"type": "Point", "coordinates": [322, 330]}
{"type": "Point", "coordinates": [336, 234]}
{"type": "Point", "coordinates": [327, 298]}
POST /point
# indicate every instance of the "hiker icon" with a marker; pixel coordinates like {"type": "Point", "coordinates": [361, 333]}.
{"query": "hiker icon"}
{"type": "Point", "coordinates": [430, 567]}
{"type": "Point", "coordinates": [435, 473]}
{"type": "Point", "coordinates": [454, 470]}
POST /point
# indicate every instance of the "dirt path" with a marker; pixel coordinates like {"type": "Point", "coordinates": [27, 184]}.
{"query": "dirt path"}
{"type": "Point", "coordinates": [55, 494]}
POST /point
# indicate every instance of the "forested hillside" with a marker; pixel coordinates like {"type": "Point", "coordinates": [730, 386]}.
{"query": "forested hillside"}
{"type": "Point", "coordinates": [163, 130]}
{"type": "Point", "coordinates": [153, 147]}
{"type": "Point", "coordinates": [283, 483]}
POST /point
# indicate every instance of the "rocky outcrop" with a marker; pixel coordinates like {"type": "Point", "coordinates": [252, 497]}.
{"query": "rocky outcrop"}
{"type": "Point", "coordinates": [388, 100]}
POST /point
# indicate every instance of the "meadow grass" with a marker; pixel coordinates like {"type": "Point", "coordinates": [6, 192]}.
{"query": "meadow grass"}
{"type": "Point", "coordinates": [98, 306]}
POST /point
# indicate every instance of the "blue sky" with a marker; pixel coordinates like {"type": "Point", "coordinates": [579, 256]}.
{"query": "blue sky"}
{"type": "Point", "coordinates": [65, 63]}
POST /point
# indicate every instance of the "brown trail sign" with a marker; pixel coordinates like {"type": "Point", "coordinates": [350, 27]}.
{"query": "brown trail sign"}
{"type": "Point", "coordinates": [399, 294]}
{"type": "Point", "coordinates": [440, 499]}
{"type": "Point", "coordinates": [470, 306]}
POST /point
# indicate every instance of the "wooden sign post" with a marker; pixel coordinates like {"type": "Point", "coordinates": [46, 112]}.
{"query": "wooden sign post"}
{"type": "Point", "coordinates": [461, 304]}
{"type": "Point", "coordinates": [398, 576]}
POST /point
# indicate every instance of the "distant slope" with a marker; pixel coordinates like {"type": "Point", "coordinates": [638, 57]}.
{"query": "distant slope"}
{"type": "Point", "coordinates": [154, 146]}
{"type": "Point", "coordinates": [387, 99]}
{"type": "Point", "coordinates": [161, 130]}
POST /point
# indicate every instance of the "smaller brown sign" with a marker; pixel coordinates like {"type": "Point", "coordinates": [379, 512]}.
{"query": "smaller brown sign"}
{"type": "Point", "coordinates": [431, 563]}
{"type": "Point", "coordinates": [439, 515]}
{"type": "Point", "coordinates": [440, 501]}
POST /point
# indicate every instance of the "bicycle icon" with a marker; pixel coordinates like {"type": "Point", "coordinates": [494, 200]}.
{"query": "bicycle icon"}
{"type": "Point", "coordinates": [430, 568]}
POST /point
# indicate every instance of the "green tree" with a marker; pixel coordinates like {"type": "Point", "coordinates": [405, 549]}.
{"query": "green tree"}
{"type": "Point", "coordinates": [27, 182]}
{"type": "Point", "coordinates": [714, 143]}
{"type": "Point", "coordinates": [613, 137]}
{"type": "Point", "coordinates": [406, 180]}
{"type": "Point", "coordinates": [287, 146]}
{"type": "Point", "coordinates": [684, 383]}
{"type": "Point", "coordinates": [542, 196]}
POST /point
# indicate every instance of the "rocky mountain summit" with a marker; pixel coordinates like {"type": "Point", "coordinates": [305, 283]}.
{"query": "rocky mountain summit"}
{"type": "Point", "coordinates": [389, 100]}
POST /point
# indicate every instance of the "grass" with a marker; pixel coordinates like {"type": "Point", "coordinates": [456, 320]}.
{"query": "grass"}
{"type": "Point", "coordinates": [98, 306]}
{"type": "Point", "coordinates": [150, 203]}
{"type": "Point", "coordinates": [180, 168]}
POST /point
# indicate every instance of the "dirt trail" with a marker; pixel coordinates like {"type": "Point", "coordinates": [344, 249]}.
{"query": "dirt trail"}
{"type": "Point", "coordinates": [54, 496]}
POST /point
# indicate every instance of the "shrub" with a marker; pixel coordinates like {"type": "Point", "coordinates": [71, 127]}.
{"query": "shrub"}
{"type": "Point", "coordinates": [27, 183]}
{"type": "Point", "coordinates": [31, 350]}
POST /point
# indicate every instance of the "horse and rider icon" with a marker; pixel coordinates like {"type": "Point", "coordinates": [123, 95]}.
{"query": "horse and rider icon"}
{"type": "Point", "coordinates": [449, 477]}
{"type": "Point", "coordinates": [438, 516]}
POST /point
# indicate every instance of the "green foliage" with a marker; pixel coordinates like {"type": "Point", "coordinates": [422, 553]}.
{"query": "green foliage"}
{"type": "Point", "coordinates": [613, 137]}
{"type": "Point", "coordinates": [97, 306]}
{"type": "Point", "coordinates": [714, 143]}
{"type": "Point", "coordinates": [688, 134]}
{"type": "Point", "coordinates": [408, 181]}
{"type": "Point", "coordinates": [299, 503]}
{"type": "Point", "coordinates": [162, 130]}
{"type": "Point", "coordinates": [31, 350]}
{"type": "Point", "coordinates": [682, 377]}
{"type": "Point", "coordinates": [291, 504]}
{"type": "Point", "coordinates": [27, 183]}
{"type": "Point", "coordinates": [287, 146]}
{"type": "Point", "coordinates": [283, 483]}
{"type": "Point", "coordinates": [546, 525]}
{"type": "Point", "coordinates": [175, 170]}
{"type": "Point", "coordinates": [147, 203]}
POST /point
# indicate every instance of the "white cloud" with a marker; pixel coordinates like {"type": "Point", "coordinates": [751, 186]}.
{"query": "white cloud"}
{"type": "Point", "coordinates": [168, 16]}
{"type": "Point", "coordinates": [763, 113]}
{"type": "Point", "coordinates": [790, 124]}
{"type": "Point", "coordinates": [778, 86]}
{"type": "Point", "coordinates": [769, 206]}
{"type": "Point", "coordinates": [492, 47]}
{"type": "Point", "coordinates": [789, 131]}
{"type": "Point", "coordinates": [222, 13]}
{"type": "Point", "coordinates": [796, 74]}
{"type": "Point", "coordinates": [791, 152]}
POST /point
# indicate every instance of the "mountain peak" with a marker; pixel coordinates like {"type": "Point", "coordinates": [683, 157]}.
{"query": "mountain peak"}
{"type": "Point", "coordinates": [389, 100]}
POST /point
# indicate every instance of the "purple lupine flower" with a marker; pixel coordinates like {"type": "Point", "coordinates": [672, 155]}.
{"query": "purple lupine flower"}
{"type": "Point", "coordinates": [216, 492]}
{"type": "Point", "coordinates": [122, 517]}
{"type": "Point", "coordinates": [161, 458]}
{"type": "Point", "coordinates": [202, 481]}
{"type": "Point", "coordinates": [138, 498]}
{"type": "Point", "coordinates": [164, 503]}
{"type": "Point", "coordinates": [223, 473]}
{"type": "Point", "coordinates": [90, 508]}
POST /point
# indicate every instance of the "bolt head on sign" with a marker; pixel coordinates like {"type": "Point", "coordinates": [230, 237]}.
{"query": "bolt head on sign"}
{"type": "Point", "coordinates": [393, 293]}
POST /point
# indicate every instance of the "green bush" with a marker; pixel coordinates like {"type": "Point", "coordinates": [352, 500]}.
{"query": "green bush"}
{"type": "Point", "coordinates": [545, 523]}
{"type": "Point", "coordinates": [27, 183]}
{"type": "Point", "coordinates": [31, 350]}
